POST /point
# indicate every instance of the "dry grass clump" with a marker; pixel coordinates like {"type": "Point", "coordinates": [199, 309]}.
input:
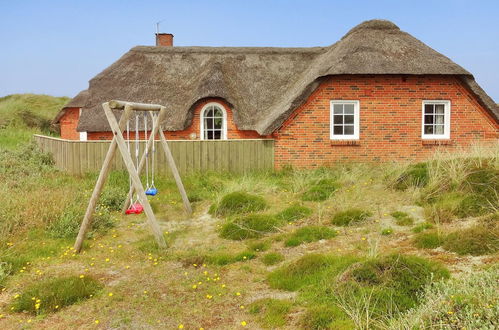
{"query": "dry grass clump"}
{"type": "Point", "coordinates": [271, 313]}
{"type": "Point", "coordinates": [320, 191]}
{"type": "Point", "coordinates": [478, 240]}
{"type": "Point", "coordinates": [428, 240]}
{"type": "Point", "coordinates": [250, 226]}
{"type": "Point", "coordinates": [272, 258]}
{"type": "Point", "coordinates": [402, 218]}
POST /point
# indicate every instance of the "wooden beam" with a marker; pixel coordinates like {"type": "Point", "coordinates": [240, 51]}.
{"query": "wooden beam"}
{"type": "Point", "coordinates": [127, 159]}
{"type": "Point", "coordinates": [116, 104]}
{"type": "Point", "coordinates": [173, 168]}
{"type": "Point", "coordinates": [104, 172]}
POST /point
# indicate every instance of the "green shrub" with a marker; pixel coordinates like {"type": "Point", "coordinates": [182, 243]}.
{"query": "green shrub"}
{"type": "Point", "coordinates": [483, 181]}
{"type": "Point", "coordinates": [477, 240]}
{"type": "Point", "coordinates": [259, 246]}
{"type": "Point", "coordinates": [250, 226]}
{"type": "Point", "coordinates": [293, 213]}
{"type": "Point", "coordinates": [112, 198]}
{"type": "Point", "coordinates": [272, 258]}
{"type": "Point", "coordinates": [414, 176]}
{"type": "Point", "coordinates": [465, 302]}
{"type": "Point", "coordinates": [320, 191]}
{"type": "Point", "coordinates": [350, 217]}
{"type": "Point", "coordinates": [310, 269]}
{"type": "Point", "coordinates": [309, 234]}
{"type": "Point", "coordinates": [386, 231]}
{"type": "Point", "coordinates": [53, 294]}
{"type": "Point", "coordinates": [428, 240]}
{"type": "Point", "coordinates": [421, 227]}
{"type": "Point", "coordinates": [222, 259]}
{"type": "Point", "coordinates": [270, 313]}
{"type": "Point", "coordinates": [448, 206]}
{"type": "Point", "coordinates": [325, 317]}
{"type": "Point", "coordinates": [402, 218]}
{"type": "Point", "coordinates": [238, 203]}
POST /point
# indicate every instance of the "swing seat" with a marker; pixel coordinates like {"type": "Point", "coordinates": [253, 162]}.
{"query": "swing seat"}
{"type": "Point", "coordinates": [151, 191]}
{"type": "Point", "coordinates": [136, 208]}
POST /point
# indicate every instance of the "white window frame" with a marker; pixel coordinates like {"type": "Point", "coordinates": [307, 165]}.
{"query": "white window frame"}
{"type": "Point", "coordinates": [224, 122]}
{"type": "Point", "coordinates": [356, 120]}
{"type": "Point", "coordinates": [447, 113]}
{"type": "Point", "coordinates": [83, 136]}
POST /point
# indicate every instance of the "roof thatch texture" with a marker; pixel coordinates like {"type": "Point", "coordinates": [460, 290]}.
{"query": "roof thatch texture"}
{"type": "Point", "coordinates": [263, 85]}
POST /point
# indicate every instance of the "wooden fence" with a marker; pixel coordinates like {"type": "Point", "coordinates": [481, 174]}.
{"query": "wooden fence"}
{"type": "Point", "coordinates": [78, 157]}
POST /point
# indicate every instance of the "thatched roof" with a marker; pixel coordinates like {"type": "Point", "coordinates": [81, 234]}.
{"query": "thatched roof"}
{"type": "Point", "coordinates": [263, 85]}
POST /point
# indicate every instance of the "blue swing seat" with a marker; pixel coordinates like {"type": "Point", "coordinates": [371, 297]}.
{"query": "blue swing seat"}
{"type": "Point", "coordinates": [151, 191]}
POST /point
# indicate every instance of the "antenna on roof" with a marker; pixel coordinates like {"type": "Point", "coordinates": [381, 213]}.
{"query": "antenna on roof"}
{"type": "Point", "coordinates": [157, 25]}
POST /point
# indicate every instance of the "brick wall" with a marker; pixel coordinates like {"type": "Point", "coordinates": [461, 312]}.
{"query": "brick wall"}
{"type": "Point", "coordinates": [69, 122]}
{"type": "Point", "coordinates": [232, 131]}
{"type": "Point", "coordinates": [390, 121]}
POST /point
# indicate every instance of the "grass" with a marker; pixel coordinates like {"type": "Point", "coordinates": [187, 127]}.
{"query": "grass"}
{"type": "Point", "coordinates": [402, 218]}
{"type": "Point", "coordinates": [310, 269]}
{"type": "Point", "coordinates": [250, 226]}
{"type": "Point", "coordinates": [259, 246]}
{"type": "Point", "coordinates": [386, 231]}
{"type": "Point", "coordinates": [271, 313]}
{"type": "Point", "coordinates": [51, 295]}
{"type": "Point", "coordinates": [309, 234]}
{"type": "Point", "coordinates": [293, 213]}
{"type": "Point", "coordinates": [325, 317]}
{"type": "Point", "coordinates": [222, 259]}
{"type": "Point", "coordinates": [422, 227]}
{"type": "Point", "coordinates": [468, 302]}
{"type": "Point", "coordinates": [320, 191]}
{"type": "Point", "coordinates": [416, 175]}
{"type": "Point", "coordinates": [272, 258]}
{"type": "Point", "coordinates": [238, 202]}
{"type": "Point", "coordinates": [428, 240]}
{"type": "Point", "coordinates": [477, 240]}
{"type": "Point", "coordinates": [350, 217]}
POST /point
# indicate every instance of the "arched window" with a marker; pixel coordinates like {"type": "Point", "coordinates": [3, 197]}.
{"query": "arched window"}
{"type": "Point", "coordinates": [213, 122]}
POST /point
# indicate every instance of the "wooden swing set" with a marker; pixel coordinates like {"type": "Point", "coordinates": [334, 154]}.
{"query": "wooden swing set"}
{"type": "Point", "coordinates": [134, 171]}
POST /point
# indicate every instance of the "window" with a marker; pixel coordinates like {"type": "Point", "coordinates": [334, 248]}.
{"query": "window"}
{"type": "Point", "coordinates": [436, 120]}
{"type": "Point", "coordinates": [213, 122]}
{"type": "Point", "coordinates": [344, 120]}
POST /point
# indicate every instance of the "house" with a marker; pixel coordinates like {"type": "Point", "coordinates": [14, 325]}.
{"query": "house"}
{"type": "Point", "coordinates": [378, 94]}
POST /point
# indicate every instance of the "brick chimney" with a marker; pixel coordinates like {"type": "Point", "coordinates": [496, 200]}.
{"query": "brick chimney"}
{"type": "Point", "coordinates": [164, 39]}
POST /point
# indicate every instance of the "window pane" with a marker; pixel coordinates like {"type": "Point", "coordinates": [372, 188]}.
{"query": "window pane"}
{"type": "Point", "coordinates": [439, 108]}
{"type": "Point", "coordinates": [209, 135]}
{"type": "Point", "coordinates": [338, 108]}
{"type": "Point", "coordinates": [208, 123]}
{"type": "Point", "coordinates": [217, 135]}
{"type": "Point", "coordinates": [428, 119]}
{"type": "Point", "coordinates": [428, 108]}
{"type": "Point", "coordinates": [439, 119]}
{"type": "Point", "coordinates": [218, 113]}
{"type": "Point", "coordinates": [338, 119]}
{"type": "Point", "coordinates": [348, 109]}
{"type": "Point", "coordinates": [348, 130]}
{"type": "Point", "coordinates": [428, 129]}
{"type": "Point", "coordinates": [218, 123]}
{"type": "Point", "coordinates": [349, 119]}
{"type": "Point", "coordinates": [439, 129]}
{"type": "Point", "coordinates": [209, 112]}
{"type": "Point", "coordinates": [338, 130]}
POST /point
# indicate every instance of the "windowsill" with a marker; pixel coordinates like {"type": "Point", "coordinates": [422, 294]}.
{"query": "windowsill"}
{"type": "Point", "coordinates": [436, 142]}
{"type": "Point", "coordinates": [345, 142]}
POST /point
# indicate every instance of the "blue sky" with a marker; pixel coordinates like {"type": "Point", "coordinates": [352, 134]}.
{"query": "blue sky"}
{"type": "Point", "coordinates": [55, 47]}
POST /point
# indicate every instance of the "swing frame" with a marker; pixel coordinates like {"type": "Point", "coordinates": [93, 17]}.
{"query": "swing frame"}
{"type": "Point", "coordinates": [118, 142]}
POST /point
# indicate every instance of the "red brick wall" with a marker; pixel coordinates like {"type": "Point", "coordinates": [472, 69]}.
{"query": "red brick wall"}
{"type": "Point", "coordinates": [232, 131]}
{"type": "Point", "coordinates": [69, 122]}
{"type": "Point", "coordinates": [390, 120]}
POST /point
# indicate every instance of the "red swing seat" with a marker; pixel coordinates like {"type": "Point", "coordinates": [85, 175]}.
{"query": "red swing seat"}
{"type": "Point", "coordinates": [135, 208]}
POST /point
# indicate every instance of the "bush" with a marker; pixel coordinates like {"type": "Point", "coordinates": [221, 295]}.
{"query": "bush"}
{"type": "Point", "coordinates": [421, 227]}
{"type": "Point", "coordinates": [430, 240]}
{"type": "Point", "coordinates": [321, 191]}
{"type": "Point", "coordinates": [310, 269]}
{"type": "Point", "coordinates": [414, 176]}
{"type": "Point", "coordinates": [272, 258]}
{"type": "Point", "coordinates": [309, 234]}
{"type": "Point", "coordinates": [293, 213]}
{"type": "Point", "coordinates": [477, 240]}
{"type": "Point", "coordinates": [349, 217]}
{"type": "Point", "coordinates": [112, 198]}
{"type": "Point", "coordinates": [238, 203]}
{"type": "Point", "coordinates": [250, 226]}
{"type": "Point", "coordinates": [271, 313]}
{"type": "Point", "coordinates": [402, 218]}
{"type": "Point", "coordinates": [326, 317]}
{"type": "Point", "coordinates": [467, 302]}
{"type": "Point", "coordinates": [53, 294]}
